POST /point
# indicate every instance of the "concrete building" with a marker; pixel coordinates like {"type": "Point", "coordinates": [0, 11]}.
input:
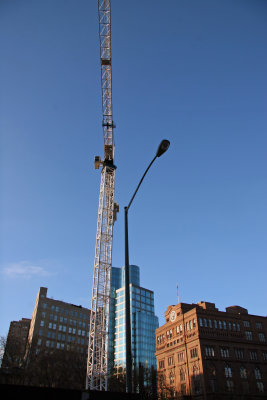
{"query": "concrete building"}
{"type": "Point", "coordinates": [211, 354]}
{"type": "Point", "coordinates": [143, 321]}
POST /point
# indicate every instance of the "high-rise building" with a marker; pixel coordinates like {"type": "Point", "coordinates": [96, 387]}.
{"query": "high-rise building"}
{"type": "Point", "coordinates": [211, 354]}
{"type": "Point", "coordinates": [56, 324]}
{"type": "Point", "coordinates": [143, 321]}
{"type": "Point", "coordinates": [16, 343]}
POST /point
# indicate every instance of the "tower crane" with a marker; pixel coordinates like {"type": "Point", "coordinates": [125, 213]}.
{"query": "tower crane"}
{"type": "Point", "coordinates": [97, 363]}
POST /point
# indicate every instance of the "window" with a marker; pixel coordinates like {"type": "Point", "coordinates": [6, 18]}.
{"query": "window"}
{"type": "Point", "coordinates": [196, 380]}
{"type": "Point", "coordinates": [181, 356]}
{"type": "Point", "coordinates": [183, 388]}
{"type": "Point", "coordinates": [246, 324]}
{"type": "Point", "coordinates": [224, 352]}
{"type": "Point", "coordinates": [161, 364]}
{"type": "Point", "coordinates": [42, 323]}
{"type": "Point", "coordinates": [264, 355]}
{"type": "Point", "coordinates": [187, 326]}
{"type": "Point", "coordinates": [260, 387]}
{"type": "Point", "coordinates": [212, 385]}
{"type": "Point", "coordinates": [171, 378]}
{"type": "Point", "coordinates": [234, 326]}
{"type": "Point", "coordinates": [194, 323]}
{"type": "Point", "coordinates": [205, 323]}
{"type": "Point", "coordinates": [193, 353]}
{"type": "Point", "coordinates": [261, 337]}
{"type": "Point", "coordinates": [191, 324]}
{"type": "Point", "coordinates": [220, 324]}
{"type": "Point", "coordinates": [239, 353]}
{"type": "Point", "coordinates": [229, 325]}
{"type": "Point", "coordinates": [209, 351]}
{"type": "Point", "coordinates": [170, 360]}
{"type": "Point", "coordinates": [210, 323]}
{"type": "Point", "coordinates": [257, 373]}
{"type": "Point", "coordinates": [253, 355]}
{"type": "Point", "coordinates": [43, 314]}
{"type": "Point", "coordinates": [215, 324]}
{"type": "Point", "coordinates": [224, 325]}
{"type": "Point", "coordinates": [39, 342]}
{"type": "Point", "coordinates": [44, 305]}
{"type": "Point", "coordinates": [182, 375]}
{"type": "Point", "coordinates": [238, 327]}
{"type": "Point", "coordinates": [258, 325]}
{"type": "Point", "coordinates": [243, 373]}
{"type": "Point", "coordinates": [248, 335]}
{"type": "Point", "coordinates": [245, 387]}
{"type": "Point", "coordinates": [181, 328]}
{"type": "Point", "coordinates": [228, 371]}
{"type": "Point", "coordinates": [229, 385]}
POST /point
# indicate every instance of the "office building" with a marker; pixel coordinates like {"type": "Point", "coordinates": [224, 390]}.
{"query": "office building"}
{"type": "Point", "coordinates": [143, 321]}
{"type": "Point", "coordinates": [58, 325]}
{"type": "Point", "coordinates": [211, 354]}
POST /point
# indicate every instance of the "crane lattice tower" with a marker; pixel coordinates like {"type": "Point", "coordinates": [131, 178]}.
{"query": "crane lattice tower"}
{"type": "Point", "coordinates": [97, 364]}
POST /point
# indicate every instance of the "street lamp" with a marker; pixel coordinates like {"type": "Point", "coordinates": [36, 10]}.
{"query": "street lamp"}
{"type": "Point", "coordinates": [163, 147]}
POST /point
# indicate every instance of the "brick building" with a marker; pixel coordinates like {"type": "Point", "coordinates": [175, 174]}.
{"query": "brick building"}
{"type": "Point", "coordinates": [211, 354]}
{"type": "Point", "coordinates": [16, 343]}
{"type": "Point", "coordinates": [58, 325]}
{"type": "Point", "coordinates": [51, 348]}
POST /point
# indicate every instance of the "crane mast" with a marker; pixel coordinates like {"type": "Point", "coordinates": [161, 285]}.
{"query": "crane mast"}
{"type": "Point", "coordinates": [97, 363]}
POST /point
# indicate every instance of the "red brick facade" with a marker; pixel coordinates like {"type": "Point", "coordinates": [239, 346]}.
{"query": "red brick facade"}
{"type": "Point", "coordinates": [211, 354]}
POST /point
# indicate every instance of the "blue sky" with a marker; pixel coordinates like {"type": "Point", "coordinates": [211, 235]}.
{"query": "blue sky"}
{"type": "Point", "coordinates": [193, 72]}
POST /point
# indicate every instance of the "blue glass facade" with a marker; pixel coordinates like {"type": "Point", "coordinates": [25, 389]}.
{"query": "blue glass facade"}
{"type": "Point", "coordinates": [143, 320]}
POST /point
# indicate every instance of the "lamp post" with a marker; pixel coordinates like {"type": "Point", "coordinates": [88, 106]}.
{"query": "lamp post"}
{"type": "Point", "coordinates": [163, 147]}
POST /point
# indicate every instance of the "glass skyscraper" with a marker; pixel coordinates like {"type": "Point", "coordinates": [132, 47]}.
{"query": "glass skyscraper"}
{"type": "Point", "coordinates": [144, 322]}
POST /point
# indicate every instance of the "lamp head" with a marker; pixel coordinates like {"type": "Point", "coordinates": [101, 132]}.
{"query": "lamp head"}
{"type": "Point", "coordinates": [163, 147]}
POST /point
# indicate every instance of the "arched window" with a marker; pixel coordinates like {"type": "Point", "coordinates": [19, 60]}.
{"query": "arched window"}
{"type": "Point", "coordinates": [195, 371]}
{"type": "Point", "coordinates": [243, 373]}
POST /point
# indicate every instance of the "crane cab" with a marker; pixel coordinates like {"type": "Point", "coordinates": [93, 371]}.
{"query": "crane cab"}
{"type": "Point", "coordinates": [98, 162]}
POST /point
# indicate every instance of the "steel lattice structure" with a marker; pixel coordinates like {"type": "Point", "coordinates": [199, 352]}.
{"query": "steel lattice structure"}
{"type": "Point", "coordinates": [97, 364]}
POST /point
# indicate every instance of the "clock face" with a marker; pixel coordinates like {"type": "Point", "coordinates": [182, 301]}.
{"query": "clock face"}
{"type": "Point", "coordinates": [172, 316]}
